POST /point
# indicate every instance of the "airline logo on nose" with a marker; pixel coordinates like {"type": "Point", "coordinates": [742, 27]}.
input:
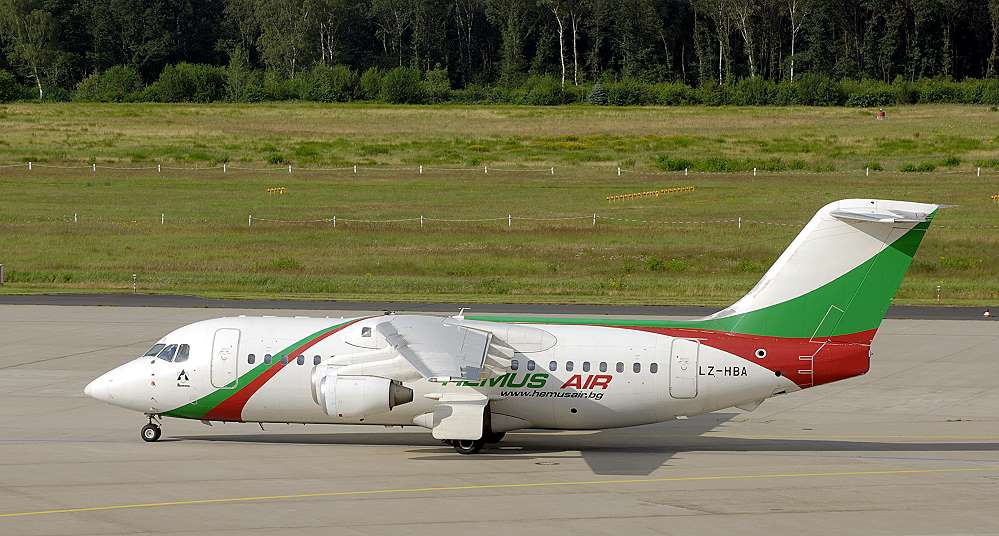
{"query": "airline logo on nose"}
{"type": "Point", "coordinates": [183, 380]}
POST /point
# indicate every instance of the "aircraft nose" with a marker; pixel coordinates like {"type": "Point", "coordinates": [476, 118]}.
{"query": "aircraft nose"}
{"type": "Point", "coordinates": [99, 389]}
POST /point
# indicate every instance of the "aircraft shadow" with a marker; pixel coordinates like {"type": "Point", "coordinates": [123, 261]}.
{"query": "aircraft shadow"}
{"type": "Point", "coordinates": [631, 451]}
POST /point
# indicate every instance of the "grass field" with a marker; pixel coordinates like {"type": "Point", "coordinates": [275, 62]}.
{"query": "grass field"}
{"type": "Point", "coordinates": [206, 247]}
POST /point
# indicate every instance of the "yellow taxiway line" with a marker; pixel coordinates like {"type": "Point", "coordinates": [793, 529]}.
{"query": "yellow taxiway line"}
{"type": "Point", "coordinates": [234, 500]}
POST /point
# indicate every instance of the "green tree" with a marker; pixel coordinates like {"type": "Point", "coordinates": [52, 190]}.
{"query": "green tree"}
{"type": "Point", "coordinates": [29, 31]}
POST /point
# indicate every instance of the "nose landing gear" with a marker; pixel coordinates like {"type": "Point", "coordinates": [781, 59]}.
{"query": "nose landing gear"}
{"type": "Point", "coordinates": [150, 432]}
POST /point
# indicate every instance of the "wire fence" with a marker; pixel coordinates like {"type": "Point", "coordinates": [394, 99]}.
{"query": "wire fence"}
{"type": "Point", "coordinates": [290, 169]}
{"type": "Point", "coordinates": [508, 221]}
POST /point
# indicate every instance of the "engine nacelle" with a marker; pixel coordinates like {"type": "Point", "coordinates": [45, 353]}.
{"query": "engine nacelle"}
{"type": "Point", "coordinates": [358, 396]}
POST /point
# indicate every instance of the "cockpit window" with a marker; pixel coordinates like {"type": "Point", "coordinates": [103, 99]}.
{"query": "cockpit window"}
{"type": "Point", "coordinates": [167, 353]}
{"type": "Point", "coordinates": [154, 350]}
{"type": "Point", "coordinates": [182, 353]}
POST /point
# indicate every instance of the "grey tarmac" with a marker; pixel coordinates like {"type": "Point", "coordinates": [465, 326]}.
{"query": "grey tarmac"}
{"type": "Point", "coordinates": [910, 448]}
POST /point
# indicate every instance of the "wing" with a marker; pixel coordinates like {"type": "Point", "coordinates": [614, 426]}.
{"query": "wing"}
{"type": "Point", "coordinates": [438, 348]}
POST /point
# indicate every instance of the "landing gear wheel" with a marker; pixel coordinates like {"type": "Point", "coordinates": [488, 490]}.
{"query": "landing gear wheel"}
{"type": "Point", "coordinates": [150, 432]}
{"type": "Point", "coordinates": [493, 437]}
{"type": "Point", "coordinates": [466, 446]}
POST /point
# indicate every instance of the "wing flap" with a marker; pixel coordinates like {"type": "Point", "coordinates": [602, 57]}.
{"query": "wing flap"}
{"type": "Point", "coordinates": [438, 349]}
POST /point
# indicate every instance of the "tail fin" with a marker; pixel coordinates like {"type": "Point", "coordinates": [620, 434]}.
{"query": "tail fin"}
{"type": "Point", "coordinates": [837, 278]}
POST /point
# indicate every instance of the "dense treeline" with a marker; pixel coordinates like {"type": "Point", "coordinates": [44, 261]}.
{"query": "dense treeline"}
{"type": "Point", "coordinates": [858, 52]}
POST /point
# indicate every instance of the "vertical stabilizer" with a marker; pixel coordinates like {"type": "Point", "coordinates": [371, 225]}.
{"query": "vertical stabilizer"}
{"type": "Point", "coordinates": [839, 275]}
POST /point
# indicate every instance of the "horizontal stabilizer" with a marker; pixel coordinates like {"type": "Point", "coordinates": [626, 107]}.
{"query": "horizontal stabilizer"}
{"type": "Point", "coordinates": [882, 216]}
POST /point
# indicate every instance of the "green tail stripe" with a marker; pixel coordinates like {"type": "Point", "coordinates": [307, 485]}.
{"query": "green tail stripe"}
{"type": "Point", "coordinates": [852, 303]}
{"type": "Point", "coordinates": [201, 406]}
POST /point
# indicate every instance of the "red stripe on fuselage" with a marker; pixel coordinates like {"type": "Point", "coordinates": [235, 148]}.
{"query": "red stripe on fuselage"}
{"type": "Point", "coordinates": [829, 358]}
{"type": "Point", "coordinates": [231, 409]}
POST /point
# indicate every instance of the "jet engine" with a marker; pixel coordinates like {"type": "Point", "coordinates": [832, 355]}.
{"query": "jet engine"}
{"type": "Point", "coordinates": [359, 396]}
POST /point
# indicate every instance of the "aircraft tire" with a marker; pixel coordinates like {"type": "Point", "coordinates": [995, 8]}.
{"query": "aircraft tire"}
{"type": "Point", "coordinates": [493, 437]}
{"type": "Point", "coordinates": [150, 433]}
{"type": "Point", "coordinates": [468, 446]}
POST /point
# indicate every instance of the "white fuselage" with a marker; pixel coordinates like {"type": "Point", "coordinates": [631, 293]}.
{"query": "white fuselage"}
{"type": "Point", "coordinates": [568, 377]}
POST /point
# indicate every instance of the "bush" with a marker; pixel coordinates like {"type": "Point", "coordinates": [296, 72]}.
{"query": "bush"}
{"type": "Point", "coordinates": [543, 91]}
{"type": "Point", "coordinates": [9, 88]}
{"type": "Point", "coordinates": [472, 94]}
{"type": "Point", "coordinates": [628, 92]}
{"type": "Point", "coordinates": [329, 84]}
{"type": "Point", "coordinates": [402, 85]}
{"type": "Point", "coordinates": [598, 95]}
{"type": "Point", "coordinates": [754, 91]}
{"type": "Point", "coordinates": [714, 94]}
{"type": "Point", "coordinates": [369, 87]}
{"type": "Point", "coordinates": [437, 86]}
{"type": "Point", "coordinates": [675, 94]}
{"type": "Point", "coordinates": [667, 163]}
{"type": "Point", "coordinates": [939, 91]}
{"type": "Point", "coordinates": [118, 84]}
{"type": "Point", "coordinates": [818, 90]}
{"type": "Point", "coordinates": [868, 93]}
{"type": "Point", "coordinates": [188, 82]}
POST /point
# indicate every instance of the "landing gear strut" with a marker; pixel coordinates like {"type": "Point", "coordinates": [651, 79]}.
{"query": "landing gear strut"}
{"type": "Point", "coordinates": [151, 432]}
{"type": "Point", "coordinates": [493, 437]}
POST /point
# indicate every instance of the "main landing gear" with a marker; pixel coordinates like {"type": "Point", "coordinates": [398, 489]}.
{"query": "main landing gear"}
{"type": "Point", "coordinates": [151, 432]}
{"type": "Point", "coordinates": [470, 446]}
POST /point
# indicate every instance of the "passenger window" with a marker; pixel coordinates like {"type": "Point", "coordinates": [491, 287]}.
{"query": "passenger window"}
{"type": "Point", "coordinates": [552, 366]}
{"type": "Point", "coordinates": [636, 368]}
{"type": "Point", "coordinates": [301, 360]}
{"type": "Point", "coordinates": [316, 360]}
{"type": "Point", "coordinates": [619, 367]}
{"type": "Point", "coordinates": [167, 353]}
{"type": "Point", "coordinates": [251, 359]}
{"type": "Point", "coordinates": [154, 350]}
{"type": "Point", "coordinates": [267, 359]}
{"type": "Point", "coordinates": [586, 366]}
{"type": "Point", "coordinates": [568, 366]}
{"type": "Point", "coordinates": [284, 360]}
{"type": "Point", "coordinates": [653, 367]}
{"type": "Point", "coordinates": [530, 364]}
{"type": "Point", "coordinates": [182, 353]}
{"type": "Point", "coordinates": [514, 364]}
{"type": "Point", "coordinates": [603, 366]}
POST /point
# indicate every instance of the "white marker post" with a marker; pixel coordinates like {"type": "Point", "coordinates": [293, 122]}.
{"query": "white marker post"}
{"type": "Point", "coordinates": [159, 168]}
{"type": "Point", "coordinates": [509, 221]}
{"type": "Point", "coordinates": [75, 219]}
{"type": "Point", "coordinates": [289, 169]}
{"type": "Point", "coordinates": [29, 165]}
{"type": "Point", "coordinates": [754, 172]}
{"type": "Point", "coordinates": [355, 169]}
{"type": "Point", "coordinates": [553, 170]}
{"type": "Point", "coordinates": [619, 172]}
{"type": "Point", "coordinates": [485, 169]}
{"type": "Point", "coordinates": [684, 172]}
{"type": "Point", "coordinates": [134, 285]}
{"type": "Point", "coordinates": [162, 218]}
{"type": "Point", "coordinates": [421, 169]}
{"type": "Point", "coordinates": [740, 222]}
{"type": "Point", "coordinates": [249, 221]}
{"type": "Point", "coordinates": [334, 221]}
{"type": "Point", "coordinates": [594, 219]}
{"type": "Point", "coordinates": [421, 221]}
{"type": "Point", "coordinates": [867, 172]}
{"type": "Point", "coordinates": [225, 167]}
{"type": "Point", "coordinates": [93, 168]}
{"type": "Point", "coordinates": [979, 171]}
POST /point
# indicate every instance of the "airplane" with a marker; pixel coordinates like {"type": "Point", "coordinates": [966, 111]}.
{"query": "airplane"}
{"type": "Point", "coordinates": [809, 321]}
